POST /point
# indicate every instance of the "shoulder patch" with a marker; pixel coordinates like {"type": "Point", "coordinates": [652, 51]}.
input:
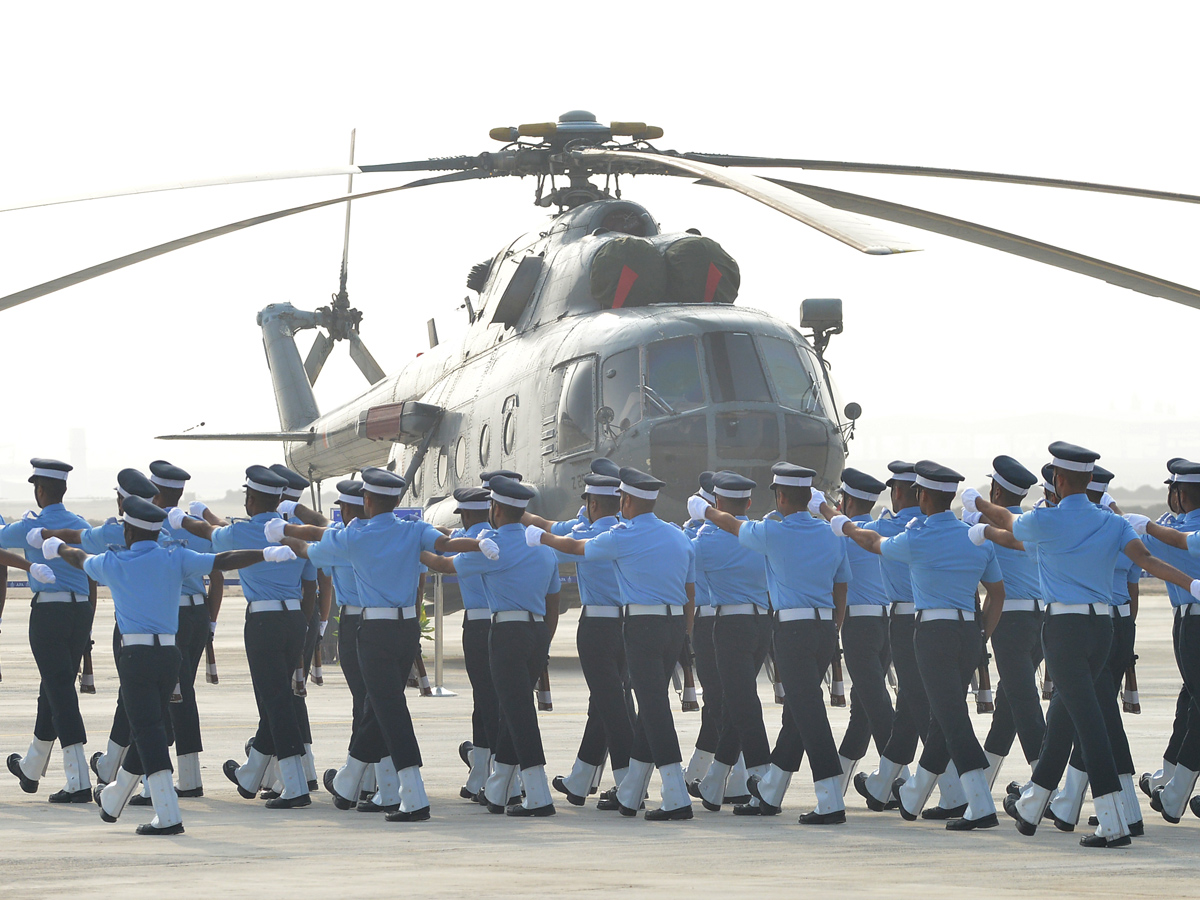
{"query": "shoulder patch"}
{"type": "Point", "coordinates": [621, 526]}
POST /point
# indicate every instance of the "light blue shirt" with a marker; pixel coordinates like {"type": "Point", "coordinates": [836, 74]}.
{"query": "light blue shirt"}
{"type": "Point", "coordinates": [946, 567]}
{"type": "Point", "coordinates": [804, 557]}
{"type": "Point", "coordinates": [168, 535]}
{"type": "Point", "coordinates": [521, 578]}
{"type": "Point", "coordinates": [735, 574]}
{"type": "Point", "coordinates": [1193, 543]}
{"type": "Point", "coordinates": [1022, 581]}
{"type": "Point", "coordinates": [146, 581]}
{"type": "Point", "coordinates": [1185, 561]}
{"type": "Point", "coordinates": [866, 587]}
{"type": "Point", "coordinates": [597, 580]}
{"type": "Point", "coordinates": [474, 594]}
{"type": "Point", "coordinates": [263, 581]}
{"type": "Point", "coordinates": [54, 516]}
{"type": "Point", "coordinates": [385, 554]}
{"type": "Point", "coordinates": [703, 596]}
{"type": "Point", "coordinates": [345, 587]}
{"type": "Point", "coordinates": [1077, 544]}
{"type": "Point", "coordinates": [1125, 574]}
{"type": "Point", "coordinates": [103, 537]}
{"type": "Point", "coordinates": [654, 560]}
{"type": "Point", "coordinates": [897, 582]}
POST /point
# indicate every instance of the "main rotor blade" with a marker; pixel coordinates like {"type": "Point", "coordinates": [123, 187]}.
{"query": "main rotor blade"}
{"type": "Point", "coordinates": [121, 262]}
{"type": "Point", "coordinates": [423, 165]}
{"type": "Point", "coordinates": [825, 165]}
{"type": "Point", "coordinates": [306, 437]}
{"type": "Point", "coordinates": [364, 360]}
{"type": "Point", "coordinates": [317, 354]}
{"type": "Point", "coordinates": [1000, 240]}
{"type": "Point", "coordinates": [849, 229]}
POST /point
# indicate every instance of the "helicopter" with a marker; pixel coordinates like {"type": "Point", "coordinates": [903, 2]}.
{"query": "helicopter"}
{"type": "Point", "coordinates": [599, 335]}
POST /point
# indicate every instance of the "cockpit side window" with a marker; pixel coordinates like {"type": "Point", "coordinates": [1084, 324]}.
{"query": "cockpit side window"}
{"type": "Point", "coordinates": [577, 408]}
{"type": "Point", "coordinates": [621, 387]}
{"type": "Point", "coordinates": [734, 370]}
{"type": "Point", "coordinates": [794, 383]}
{"type": "Point", "coordinates": [673, 374]}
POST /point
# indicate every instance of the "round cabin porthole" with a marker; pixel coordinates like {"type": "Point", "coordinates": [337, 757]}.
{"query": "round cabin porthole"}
{"type": "Point", "coordinates": [510, 432]}
{"type": "Point", "coordinates": [460, 458]}
{"type": "Point", "coordinates": [485, 445]}
{"type": "Point", "coordinates": [442, 461]}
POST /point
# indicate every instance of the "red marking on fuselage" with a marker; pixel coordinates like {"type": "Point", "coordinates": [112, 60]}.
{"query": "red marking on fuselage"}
{"type": "Point", "coordinates": [714, 278]}
{"type": "Point", "coordinates": [624, 286]}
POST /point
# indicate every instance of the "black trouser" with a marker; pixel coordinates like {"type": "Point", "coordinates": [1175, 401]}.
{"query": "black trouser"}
{"type": "Point", "coordinates": [518, 652]}
{"type": "Point", "coordinates": [652, 648]}
{"type": "Point", "coordinates": [386, 650]}
{"type": "Point", "coordinates": [711, 712]}
{"type": "Point", "coordinates": [601, 646]}
{"type": "Point", "coordinates": [485, 709]}
{"type": "Point", "coordinates": [1179, 727]}
{"type": "Point", "coordinates": [148, 676]}
{"type": "Point", "coordinates": [948, 653]}
{"type": "Point", "coordinates": [1120, 657]}
{"type": "Point", "coordinates": [867, 652]}
{"type": "Point", "coordinates": [312, 635]}
{"type": "Point", "coordinates": [911, 720]}
{"type": "Point", "coordinates": [804, 649]}
{"type": "Point", "coordinates": [347, 638]}
{"type": "Point", "coordinates": [741, 643]}
{"type": "Point", "coordinates": [191, 640]}
{"type": "Point", "coordinates": [1187, 656]}
{"type": "Point", "coordinates": [59, 633]}
{"type": "Point", "coordinates": [120, 733]}
{"type": "Point", "coordinates": [1017, 646]}
{"type": "Point", "coordinates": [273, 643]}
{"type": "Point", "coordinates": [1076, 648]}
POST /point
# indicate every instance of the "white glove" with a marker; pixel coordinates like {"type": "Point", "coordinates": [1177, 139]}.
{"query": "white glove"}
{"type": "Point", "coordinates": [273, 529]}
{"type": "Point", "coordinates": [814, 505]}
{"type": "Point", "coordinates": [1195, 589]}
{"type": "Point", "coordinates": [696, 507]}
{"type": "Point", "coordinates": [324, 624]}
{"type": "Point", "coordinates": [582, 514]}
{"type": "Point", "coordinates": [837, 523]}
{"type": "Point", "coordinates": [175, 517]}
{"type": "Point", "coordinates": [42, 572]}
{"type": "Point", "coordinates": [969, 496]}
{"type": "Point", "coordinates": [1139, 523]}
{"type": "Point", "coordinates": [287, 507]}
{"type": "Point", "coordinates": [975, 533]}
{"type": "Point", "coordinates": [34, 538]}
{"type": "Point", "coordinates": [1107, 500]}
{"type": "Point", "coordinates": [196, 508]}
{"type": "Point", "coordinates": [491, 549]}
{"type": "Point", "coordinates": [533, 536]}
{"type": "Point", "coordinates": [971, 518]}
{"type": "Point", "coordinates": [50, 548]}
{"type": "Point", "coordinates": [279, 554]}
{"type": "Point", "coordinates": [212, 627]}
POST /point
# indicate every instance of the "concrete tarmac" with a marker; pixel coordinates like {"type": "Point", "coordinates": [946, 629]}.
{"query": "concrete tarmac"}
{"type": "Point", "coordinates": [236, 848]}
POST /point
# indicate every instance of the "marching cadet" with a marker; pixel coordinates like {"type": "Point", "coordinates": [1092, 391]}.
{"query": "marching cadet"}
{"type": "Point", "coordinates": [810, 572]}
{"type": "Point", "coordinates": [711, 711]}
{"type": "Point", "coordinates": [60, 625]}
{"type": "Point", "coordinates": [911, 719]}
{"type": "Point", "coordinates": [1077, 545]}
{"type": "Point", "coordinates": [146, 579]}
{"type": "Point", "coordinates": [386, 556]}
{"type": "Point", "coordinates": [599, 642]}
{"type": "Point", "coordinates": [1049, 497]}
{"type": "Point", "coordinates": [522, 587]}
{"type": "Point", "coordinates": [655, 566]}
{"type": "Point", "coordinates": [864, 633]}
{"type": "Point", "coordinates": [736, 578]}
{"type": "Point", "coordinates": [274, 635]}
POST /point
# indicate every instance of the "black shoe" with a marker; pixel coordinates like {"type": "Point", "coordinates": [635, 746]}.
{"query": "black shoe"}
{"type": "Point", "coordinates": [147, 828]}
{"type": "Point", "coordinates": [1010, 807]}
{"type": "Point", "coordinates": [370, 806]}
{"type": "Point", "coordinates": [735, 799]}
{"type": "Point", "coordinates": [96, 758]}
{"type": "Point", "coordinates": [1137, 829]}
{"type": "Point", "coordinates": [269, 794]}
{"type": "Point", "coordinates": [860, 785]}
{"type": "Point", "coordinates": [1144, 784]}
{"type": "Point", "coordinates": [560, 785]}
{"type": "Point", "coordinates": [1093, 822]}
{"type": "Point", "coordinates": [1060, 824]}
{"type": "Point", "coordinates": [759, 809]}
{"type": "Point", "coordinates": [626, 811]}
{"type": "Point", "coordinates": [289, 802]}
{"type": "Point", "coordinates": [1194, 805]}
{"type": "Point", "coordinates": [312, 784]}
{"type": "Point", "coordinates": [988, 821]}
{"type": "Point", "coordinates": [189, 792]}
{"type": "Point", "coordinates": [608, 800]}
{"type": "Point", "coordinates": [495, 808]}
{"type": "Point", "coordinates": [1156, 805]}
{"type": "Point", "coordinates": [517, 811]}
{"type": "Point", "coordinates": [681, 814]}
{"type": "Point", "coordinates": [104, 817]}
{"type": "Point", "coordinates": [464, 751]}
{"type": "Point", "coordinates": [65, 796]}
{"type": "Point", "coordinates": [466, 793]}
{"type": "Point", "coordinates": [944, 812]}
{"type": "Point", "coordinates": [904, 813]}
{"type": "Point", "coordinates": [1014, 789]}
{"type": "Point", "coordinates": [816, 818]}
{"type": "Point", "coordinates": [339, 801]}
{"type": "Point", "coordinates": [230, 769]}
{"type": "Point", "coordinates": [480, 798]}
{"type": "Point", "coordinates": [28, 785]}
{"type": "Point", "coordinates": [693, 788]}
{"type": "Point", "coordinates": [140, 800]}
{"type": "Point", "coordinates": [417, 815]}
{"type": "Point", "coordinates": [1095, 840]}
{"type": "Point", "coordinates": [765, 809]}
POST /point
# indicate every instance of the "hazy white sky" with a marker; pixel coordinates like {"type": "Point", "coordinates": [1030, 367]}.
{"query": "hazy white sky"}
{"type": "Point", "coordinates": [955, 353]}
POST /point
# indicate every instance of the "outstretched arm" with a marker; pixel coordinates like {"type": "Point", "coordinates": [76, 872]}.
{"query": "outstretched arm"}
{"type": "Point", "coordinates": [564, 544]}
{"type": "Point", "coordinates": [443, 565]}
{"type": "Point", "coordinates": [305, 532]}
{"type": "Point", "coordinates": [1002, 537]}
{"type": "Point", "coordinates": [310, 516]}
{"type": "Point", "coordinates": [17, 562]}
{"type": "Point", "coordinates": [199, 527]}
{"type": "Point", "coordinates": [446, 544]}
{"type": "Point", "coordinates": [868, 540]}
{"type": "Point", "coordinates": [1137, 552]}
{"type": "Point", "coordinates": [723, 520]}
{"type": "Point", "coordinates": [66, 535]}
{"type": "Point", "coordinates": [530, 519]}
{"type": "Point", "coordinates": [999, 516]}
{"type": "Point", "coordinates": [234, 559]}
{"type": "Point", "coordinates": [1169, 536]}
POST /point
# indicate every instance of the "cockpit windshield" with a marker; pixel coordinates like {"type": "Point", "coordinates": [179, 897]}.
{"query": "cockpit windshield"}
{"type": "Point", "coordinates": [673, 375]}
{"type": "Point", "coordinates": [794, 383]}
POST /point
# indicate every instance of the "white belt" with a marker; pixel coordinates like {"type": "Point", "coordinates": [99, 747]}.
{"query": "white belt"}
{"type": "Point", "coordinates": [703, 612]}
{"type": "Point", "coordinates": [191, 599]}
{"type": "Point", "coordinates": [258, 606]}
{"type": "Point", "coordinates": [904, 609]}
{"type": "Point", "coordinates": [1188, 609]}
{"type": "Point", "coordinates": [740, 609]}
{"type": "Point", "coordinates": [352, 610]}
{"type": "Point", "coordinates": [600, 612]}
{"type": "Point", "coordinates": [474, 615]}
{"type": "Point", "coordinates": [1081, 609]}
{"type": "Point", "coordinates": [1122, 612]}
{"type": "Point", "coordinates": [805, 612]}
{"type": "Point", "coordinates": [147, 640]}
{"type": "Point", "coordinates": [389, 612]}
{"type": "Point", "coordinates": [59, 597]}
{"type": "Point", "coordinates": [1014, 605]}
{"type": "Point", "coordinates": [653, 609]}
{"type": "Point", "coordinates": [866, 609]}
{"type": "Point", "coordinates": [516, 615]}
{"type": "Point", "coordinates": [932, 615]}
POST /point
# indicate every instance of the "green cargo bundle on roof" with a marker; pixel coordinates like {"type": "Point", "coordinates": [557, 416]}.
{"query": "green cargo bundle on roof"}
{"type": "Point", "coordinates": [628, 271]}
{"type": "Point", "coordinates": [699, 270]}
